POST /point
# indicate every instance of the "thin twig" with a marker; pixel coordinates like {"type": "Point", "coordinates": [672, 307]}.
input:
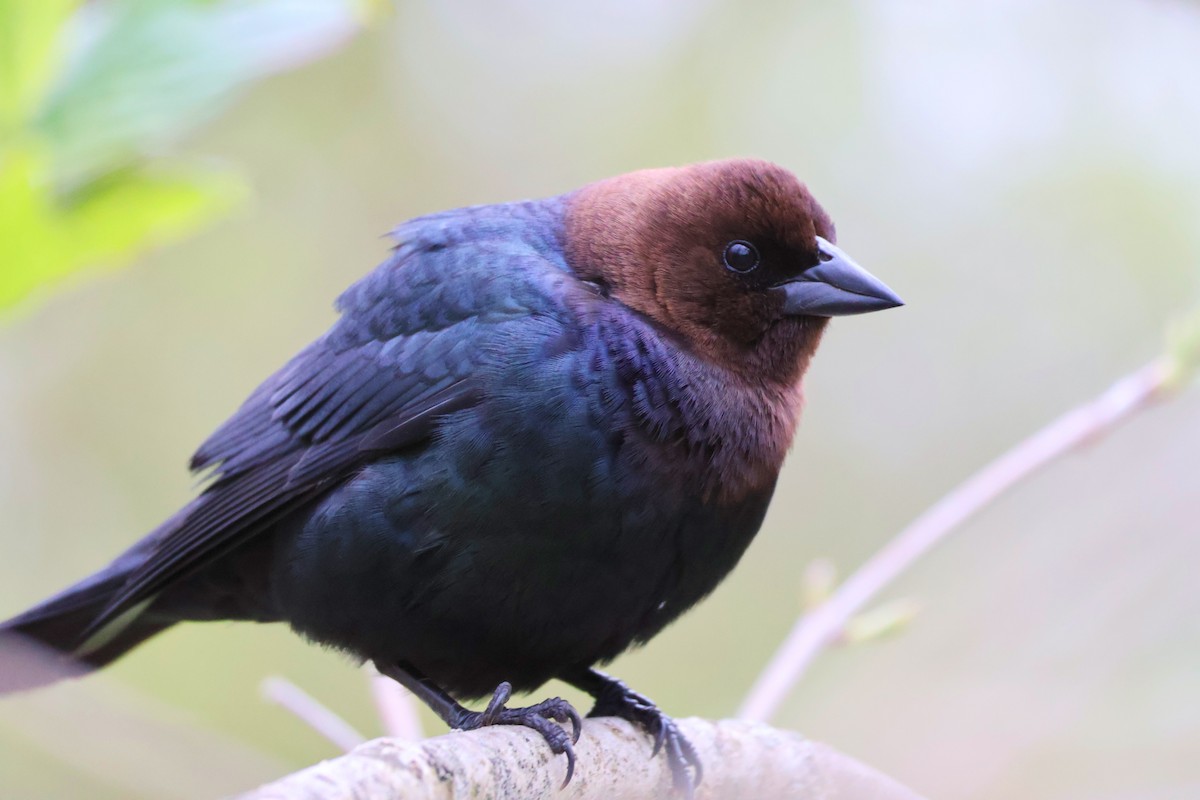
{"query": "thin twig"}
{"type": "Point", "coordinates": [820, 626]}
{"type": "Point", "coordinates": [322, 720]}
{"type": "Point", "coordinates": [397, 711]}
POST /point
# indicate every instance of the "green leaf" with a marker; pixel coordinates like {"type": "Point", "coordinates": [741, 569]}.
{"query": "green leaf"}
{"type": "Point", "coordinates": [28, 47]}
{"type": "Point", "coordinates": [1183, 349]}
{"type": "Point", "coordinates": [43, 241]}
{"type": "Point", "coordinates": [144, 72]}
{"type": "Point", "coordinates": [817, 583]}
{"type": "Point", "coordinates": [127, 78]}
{"type": "Point", "coordinates": [884, 620]}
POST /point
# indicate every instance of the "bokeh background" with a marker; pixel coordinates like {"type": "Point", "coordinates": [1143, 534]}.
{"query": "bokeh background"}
{"type": "Point", "coordinates": [1024, 172]}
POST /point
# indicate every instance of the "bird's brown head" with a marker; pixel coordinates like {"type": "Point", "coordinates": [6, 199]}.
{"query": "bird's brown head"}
{"type": "Point", "coordinates": [734, 257]}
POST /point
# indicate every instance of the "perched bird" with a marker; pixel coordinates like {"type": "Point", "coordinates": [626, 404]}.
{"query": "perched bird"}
{"type": "Point", "coordinates": [537, 434]}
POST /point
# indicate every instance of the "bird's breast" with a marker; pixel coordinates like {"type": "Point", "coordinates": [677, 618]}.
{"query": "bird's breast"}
{"type": "Point", "coordinates": [723, 438]}
{"type": "Point", "coordinates": [594, 494]}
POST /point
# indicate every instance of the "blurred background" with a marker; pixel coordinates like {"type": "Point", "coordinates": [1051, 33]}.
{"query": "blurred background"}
{"type": "Point", "coordinates": [1025, 174]}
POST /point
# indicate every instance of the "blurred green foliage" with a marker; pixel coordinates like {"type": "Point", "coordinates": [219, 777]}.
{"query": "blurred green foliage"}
{"type": "Point", "coordinates": [1183, 348]}
{"type": "Point", "coordinates": [93, 96]}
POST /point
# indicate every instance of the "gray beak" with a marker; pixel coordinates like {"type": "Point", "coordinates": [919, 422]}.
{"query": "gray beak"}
{"type": "Point", "coordinates": [835, 287]}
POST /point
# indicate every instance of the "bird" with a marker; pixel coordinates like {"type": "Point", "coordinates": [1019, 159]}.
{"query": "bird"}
{"type": "Point", "coordinates": [537, 434]}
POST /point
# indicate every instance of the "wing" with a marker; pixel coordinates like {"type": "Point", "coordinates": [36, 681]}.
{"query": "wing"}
{"type": "Point", "coordinates": [406, 352]}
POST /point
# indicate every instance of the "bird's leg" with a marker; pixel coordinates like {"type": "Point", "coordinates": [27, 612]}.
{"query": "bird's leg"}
{"type": "Point", "coordinates": [541, 717]}
{"type": "Point", "coordinates": [615, 699]}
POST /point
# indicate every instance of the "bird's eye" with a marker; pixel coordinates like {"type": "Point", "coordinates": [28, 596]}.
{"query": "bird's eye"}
{"type": "Point", "coordinates": [741, 256]}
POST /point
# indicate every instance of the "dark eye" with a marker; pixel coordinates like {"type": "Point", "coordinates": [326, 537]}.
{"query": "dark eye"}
{"type": "Point", "coordinates": [741, 256]}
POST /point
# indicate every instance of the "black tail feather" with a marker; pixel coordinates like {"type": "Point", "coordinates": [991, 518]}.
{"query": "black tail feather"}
{"type": "Point", "coordinates": [44, 645]}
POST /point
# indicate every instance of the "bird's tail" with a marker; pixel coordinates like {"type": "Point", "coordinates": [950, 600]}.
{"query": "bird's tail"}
{"type": "Point", "coordinates": [46, 643]}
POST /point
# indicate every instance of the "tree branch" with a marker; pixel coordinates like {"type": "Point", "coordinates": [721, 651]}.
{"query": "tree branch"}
{"type": "Point", "coordinates": [396, 706]}
{"type": "Point", "coordinates": [1083, 425]}
{"type": "Point", "coordinates": [740, 760]}
{"type": "Point", "coordinates": [307, 708]}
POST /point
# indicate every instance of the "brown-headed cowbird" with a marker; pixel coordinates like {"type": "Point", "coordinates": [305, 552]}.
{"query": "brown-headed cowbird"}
{"type": "Point", "coordinates": [538, 433]}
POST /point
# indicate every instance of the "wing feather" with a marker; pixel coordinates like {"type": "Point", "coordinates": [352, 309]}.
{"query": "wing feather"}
{"type": "Point", "coordinates": [405, 353]}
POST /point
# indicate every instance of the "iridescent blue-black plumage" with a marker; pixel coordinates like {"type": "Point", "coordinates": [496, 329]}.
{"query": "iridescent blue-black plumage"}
{"type": "Point", "coordinates": [530, 525]}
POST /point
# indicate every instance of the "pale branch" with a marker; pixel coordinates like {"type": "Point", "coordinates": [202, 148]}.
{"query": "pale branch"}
{"type": "Point", "coordinates": [741, 760]}
{"type": "Point", "coordinates": [820, 626]}
{"type": "Point", "coordinates": [321, 719]}
{"type": "Point", "coordinates": [396, 706]}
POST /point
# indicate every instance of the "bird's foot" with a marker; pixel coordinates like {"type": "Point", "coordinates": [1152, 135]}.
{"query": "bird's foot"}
{"type": "Point", "coordinates": [618, 700]}
{"type": "Point", "coordinates": [541, 717]}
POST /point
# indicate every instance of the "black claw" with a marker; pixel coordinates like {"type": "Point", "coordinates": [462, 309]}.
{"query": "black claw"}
{"type": "Point", "coordinates": [576, 724]}
{"type": "Point", "coordinates": [692, 757]}
{"type": "Point", "coordinates": [618, 700]}
{"type": "Point", "coordinates": [570, 754]}
{"type": "Point", "coordinates": [542, 717]}
{"type": "Point", "coordinates": [682, 756]}
{"type": "Point", "coordinates": [686, 772]}
{"type": "Point", "coordinates": [660, 736]}
{"type": "Point", "coordinates": [496, 704]}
